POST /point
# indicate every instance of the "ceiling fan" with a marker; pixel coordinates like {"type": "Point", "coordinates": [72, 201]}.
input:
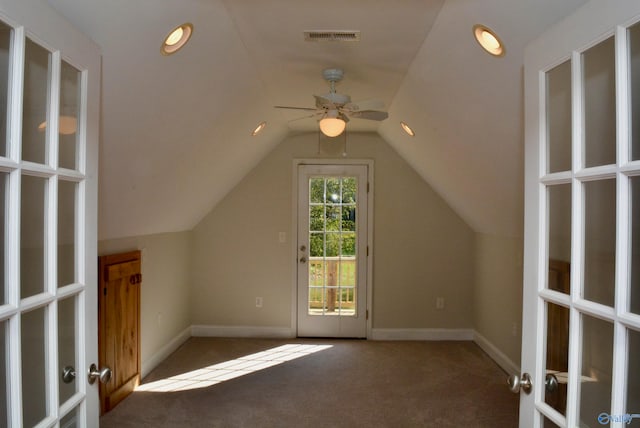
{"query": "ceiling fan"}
{"type": "Point", "coordinates": [334, 110]}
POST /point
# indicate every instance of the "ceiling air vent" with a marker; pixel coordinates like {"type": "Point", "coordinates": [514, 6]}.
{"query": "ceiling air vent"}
{"type": "Point", "coordinates": [332, 36]}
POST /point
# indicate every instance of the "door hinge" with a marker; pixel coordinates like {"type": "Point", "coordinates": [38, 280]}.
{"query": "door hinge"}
{"type": "Point", "coordinates": [367, 251]}
{"type": "Point", "coordinates": [367, 187]}
{"type": "Point", "coordinates": [104, 291]}
{"type": "Point", "coordinates": [367, 315]}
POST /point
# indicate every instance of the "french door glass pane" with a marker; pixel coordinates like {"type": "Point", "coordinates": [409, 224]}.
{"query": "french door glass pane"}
{"type": "Point", "coordinates": [559, 118]}
{"type": "Point", "coordinates": [634, 61]}
{"type": "Point", "coordinates": [4, 420]}
{"type": "Point", "coordinates": [549, 424]}
{"type": "Point", "coordinates": [69, 108]}
{"type": "Point", "coordinates": [33, 367]}
{"type": "Point", "coordinates": [4, 178]}
{"type": "Point", "coordinates": [633, 374]}
{"type": "Point", "coordinates": [600, 241]}
{"type": "Point", "coordinates": [600, 104]}
{"type": "Point", "coordinates": [5, 45]}
{"type": "Point", "coordinates": [66, 232]}
{"type": "Point", "coordinates": [66, 344]}
{"type": "Point", "coordinates": [634, 305]}
{"type": "Point", "coordinates": [36, 94]}
{"type": "Point", "coordinates": [557, 356]}
{"type": "Point", "coordinates": [32, 226]}
{"type": "Point", "coordinates": [595, 384]}
{"type": "Point", "coordinates": [332, 241]}
{"type": "Point", "coordinates": [70, 420]}
{"type": "Point", "coordinates": [559, 206]}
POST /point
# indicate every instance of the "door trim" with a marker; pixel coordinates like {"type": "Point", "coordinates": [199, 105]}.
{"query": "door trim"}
{"type": "Point", "coordinates": [294, 231]}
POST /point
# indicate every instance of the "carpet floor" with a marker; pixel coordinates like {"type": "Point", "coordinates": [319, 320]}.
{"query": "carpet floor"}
{"type": "Point", "coordinates": [220, 382]}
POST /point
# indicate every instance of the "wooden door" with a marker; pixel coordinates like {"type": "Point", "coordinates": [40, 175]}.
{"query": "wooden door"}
{"type": "Point", "coordinates": [119, 318]}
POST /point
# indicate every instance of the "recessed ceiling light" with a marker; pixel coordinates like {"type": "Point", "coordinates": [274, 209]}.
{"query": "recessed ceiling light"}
{"type": "Point", "coordinates": [406, 128]}
{"type": "Point", "coordinates": [259, 128]}
{"type": "Point", "coordinates": [488, 39]}
{"type": "Point", "coordinates": [176, 39]}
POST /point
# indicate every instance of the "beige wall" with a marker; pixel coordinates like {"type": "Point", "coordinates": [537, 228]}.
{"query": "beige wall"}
{"type": "Point", "coordinates": [497, 297]}
{"type": "Point", "coordinates": [164, 307]}
{"type": "Point", "coordinates": [422, 249]}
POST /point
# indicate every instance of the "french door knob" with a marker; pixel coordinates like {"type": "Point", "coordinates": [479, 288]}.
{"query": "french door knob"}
{"type": "Point", "coordinates": [303, 259]}
{"type": "Point", "coordinates": [68, 374]}
{"type": "Point", "coordinates": [551, 382]}
{"type": "Point", "coordinates": [517, 383]}
{"type": "Point", "coordinates": [104, 374]}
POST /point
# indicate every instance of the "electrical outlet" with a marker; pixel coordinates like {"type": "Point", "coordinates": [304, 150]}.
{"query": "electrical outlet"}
{"type": "Point", "coordinates": [514, 329]}
{"type": "Point", "coordinates": [440, 303]}
{"type": "Point", "coordinates": [258, 302]}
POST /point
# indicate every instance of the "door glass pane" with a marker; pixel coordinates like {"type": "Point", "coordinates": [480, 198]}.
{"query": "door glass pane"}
{"type": "Point", "coordinates": [66, 345]}
{"type": "Point", "coordinates": [595, 384]}
{"type": "Point", "coordinates": [70, 420]}
{"type": "Point", "coordinates": [4, 419]}
{"type": "Point", "coordinates": [633, 375]}
{"type": "Point", "coordinates": [600, 241]}
{"type": "Point", "coordinates": [557, 357]}
{"type": "Point", "coordinates": [4, 181]}
{"type": "Point", "coordinates": [33, 367]}
{"type": "Point", "coordinates": [599, 104]}
{"type": "Point", "coordinates": [332, 241]}
{"type": "Point", "coordinates": [634, 305]}
{"type": "Point", "coordinates": [66, 232]}
{"type": "Point", "coordinates": [549, 424]}
{"type": "Point", "coordinates": [36, 94]}
{"type": "Point", "coordinates": [69, 108]}
{"type": "Point", "coordinates": [32, 222]}
{"type": "Point", "coordinates": [5, 45]}
{"type": "Point", "coordinates": [559, 199]}
{"type": "Point", "coordinates": [634, 61]}
{"type": "Point", "coordinates": [559, 118]}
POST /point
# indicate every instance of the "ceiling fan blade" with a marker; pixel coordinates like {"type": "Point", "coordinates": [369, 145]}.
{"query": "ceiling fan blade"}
{"type": "Point", "coordinates": [317, 113]}
{"type": "Point", "coordinates": [323, 102]}
{"type": "Point", "coordinates": [370, 114]}
{"type": "Point", "coordinates": [365, 105]}
{"type": "Point", "coordinates": [297, 108]}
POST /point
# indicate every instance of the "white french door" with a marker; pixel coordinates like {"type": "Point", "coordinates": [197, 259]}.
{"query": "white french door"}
{"type": "Point", "coordinates": [581, 314]}
{"type": "Point", "coordinates": [332, 250]}
{"type": "Point", "coordinates": [49, 86]}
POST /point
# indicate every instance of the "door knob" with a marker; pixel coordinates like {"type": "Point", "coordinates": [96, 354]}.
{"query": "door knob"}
{"type": "Point", "coordinates": [303, 248]}
{"type": "Point", "coordinates": [516, 383]}
{"type": "Point", "coordinates": [551, 382]}
{"type": "Point", "coordinates": [303, 259]}
{"type": "Point", "coordinates": [104, 374]}
{"type": "Point", "coordinates": [68, 374]}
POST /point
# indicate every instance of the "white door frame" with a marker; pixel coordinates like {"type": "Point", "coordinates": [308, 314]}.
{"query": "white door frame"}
{"type": "Point", "coordinates": [294, 232]}
{"type": "Point", "coordinates": [592, 23]}
{"type": "Point", "coordinates": [42, 24]}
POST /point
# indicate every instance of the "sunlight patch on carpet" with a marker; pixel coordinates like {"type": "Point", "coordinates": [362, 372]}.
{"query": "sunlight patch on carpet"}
{"type": "Point", "coordinates": [232, 369]}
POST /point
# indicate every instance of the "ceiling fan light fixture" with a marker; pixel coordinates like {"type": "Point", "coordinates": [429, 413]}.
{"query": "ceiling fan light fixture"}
{"type": "Point", "coordinates": [488, 39]}
{"type": "Point", "coordinates": [332, 125]}
{"type": "Point", "coordinates": [406, 128]}
{"type": "Point", "coordinates": [177, 38]}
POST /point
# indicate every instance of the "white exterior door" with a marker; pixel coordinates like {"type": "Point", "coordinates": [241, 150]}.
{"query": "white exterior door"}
{"type": "Point", "coordinates": [581, 320]}
{"type": "Point", "coordinates": [50, 87]}
{"type": "Point", "coordinates": [332, 250]}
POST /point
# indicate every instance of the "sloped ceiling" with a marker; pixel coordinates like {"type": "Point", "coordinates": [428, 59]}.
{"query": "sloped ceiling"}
{"type": "Point", "coordinates": [176, 130]}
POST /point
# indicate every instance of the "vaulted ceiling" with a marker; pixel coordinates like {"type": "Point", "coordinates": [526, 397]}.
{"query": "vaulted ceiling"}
{"type": "Point", "coordinates": [176, 130]}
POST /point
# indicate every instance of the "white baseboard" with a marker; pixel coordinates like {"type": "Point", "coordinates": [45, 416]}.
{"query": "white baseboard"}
{"type": "Point", "coordinates": [242, 331]}
{"type": "Point", "coordinates": [496, 355]}
{"type": "Point", "coordinates": [152, 362]}
{"type": "Point", "coordinates": [421, 334]}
